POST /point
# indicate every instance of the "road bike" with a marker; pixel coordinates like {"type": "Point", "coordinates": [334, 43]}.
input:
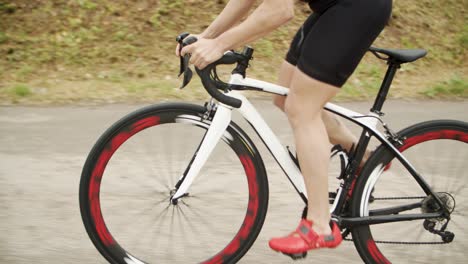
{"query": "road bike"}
{"type": "Point", "coordinates": [183, 183]}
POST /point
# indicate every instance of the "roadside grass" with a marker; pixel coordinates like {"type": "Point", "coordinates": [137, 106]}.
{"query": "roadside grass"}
{"type": "Point", "coordinates": [93, 92]}
{"type": "Point", "coordinates": [365, 82]}
{"type": "Point", "coordinates": [74, 50]}
{"type": "Point", "coordinates": [20, 90]}
{"type": "Point", "coordinates": [463, 37]}
{"type": "Point", "coordinates": [3, 37]}
{"type": "Point", "coordinates": [456, 87]}
{"type": "Point", "coordinates": [15, 93]}
{"type": "Point", "coordinates": [137, 83]}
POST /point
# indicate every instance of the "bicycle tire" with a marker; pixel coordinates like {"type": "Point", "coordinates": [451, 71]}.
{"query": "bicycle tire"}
{"type": "Point", "coordinates": [375, 189]}
{"type": "Point", "coordinates": [107, 152]}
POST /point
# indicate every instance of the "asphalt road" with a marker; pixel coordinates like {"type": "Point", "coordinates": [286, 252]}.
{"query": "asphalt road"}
{"type": "Point", "coordinates": [43, 149]}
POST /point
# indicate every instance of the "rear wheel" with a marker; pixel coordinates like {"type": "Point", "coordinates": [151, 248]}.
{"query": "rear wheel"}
{"type": "Point", "coordinates": [439, 152]}
{"type": "Point", "coordinates": [132, 171]}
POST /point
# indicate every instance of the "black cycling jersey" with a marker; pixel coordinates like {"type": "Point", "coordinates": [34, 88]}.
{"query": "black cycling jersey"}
{"type": "Point", "coordinates": [331, 43]}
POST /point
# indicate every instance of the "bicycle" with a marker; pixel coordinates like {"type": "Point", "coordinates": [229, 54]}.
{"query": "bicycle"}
{"type": "Point", "coordinates": [369, 204]}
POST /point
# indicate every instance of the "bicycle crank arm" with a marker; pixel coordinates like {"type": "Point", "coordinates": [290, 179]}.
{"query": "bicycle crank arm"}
{"type": "Point", "coordinates": [220, 122]}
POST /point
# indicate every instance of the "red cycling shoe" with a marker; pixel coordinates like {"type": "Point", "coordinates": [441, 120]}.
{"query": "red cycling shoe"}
{"type": "Point", "coordinates": [305, 238]}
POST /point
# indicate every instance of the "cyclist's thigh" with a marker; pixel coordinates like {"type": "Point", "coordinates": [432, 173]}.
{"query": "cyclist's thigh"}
{"type": "Point", "coordinates": [339, 38]}
{"type": "Point", "coordinates": [295, 47]}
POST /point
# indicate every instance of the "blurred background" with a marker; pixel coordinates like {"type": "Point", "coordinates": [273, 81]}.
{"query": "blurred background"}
{"type": "Point", "coordinates": [71, 68]}
{"type": "Point", "coordinates": [93, 51]}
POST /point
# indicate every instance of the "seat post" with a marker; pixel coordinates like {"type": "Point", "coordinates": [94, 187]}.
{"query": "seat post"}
{"type": "Point", "coordinates": [393, 66]}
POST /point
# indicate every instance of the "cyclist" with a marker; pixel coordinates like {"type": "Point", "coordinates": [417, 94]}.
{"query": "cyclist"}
{"type": "Point", "coordinates": [322, 56]}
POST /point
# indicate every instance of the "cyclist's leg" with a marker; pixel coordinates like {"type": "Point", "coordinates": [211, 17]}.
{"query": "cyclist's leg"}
{"type": "Point", "coordinates": [336, 129]}
{"type": "Point", "coordinates": [332, 48]}
{"type": "Point", "coordinates": [304, 106]}
{"type": "Point", "coordinates": [338, 132]}
{"type": "Point", "coordinates": [289, 64]}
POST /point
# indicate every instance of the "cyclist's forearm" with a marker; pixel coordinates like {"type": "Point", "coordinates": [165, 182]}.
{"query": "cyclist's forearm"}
{"type": "Point", "coordinates": [268, 16]}
{"type": "Point", "coordinates": [234, 11]}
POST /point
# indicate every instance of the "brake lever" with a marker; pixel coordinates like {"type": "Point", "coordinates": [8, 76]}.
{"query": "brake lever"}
{"type": "Point", "coordinates": [179, 39]}
{"type": "Point", "coordinates": [187, 71]}
{"type": "Point", "coordinates": [181, 67]}
{"type": "Point", "coordinates": [185, 60]}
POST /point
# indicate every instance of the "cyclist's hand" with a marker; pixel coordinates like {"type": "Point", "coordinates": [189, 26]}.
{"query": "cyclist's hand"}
{"type": "Point", "coordinates": [204, 52]}
{"type": "Point", "coordinates": [177, 50]}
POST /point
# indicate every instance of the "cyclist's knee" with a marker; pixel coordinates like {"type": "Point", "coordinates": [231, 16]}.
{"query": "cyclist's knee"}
{"type": "Point", "coordinates": [306, 98]}
{"type": "Point", "coordinates": [300, 112]}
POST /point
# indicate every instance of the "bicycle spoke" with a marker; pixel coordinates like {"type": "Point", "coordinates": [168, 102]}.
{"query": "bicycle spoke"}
{"type": "Point", "coordinates": [164, 160]}
{"type": "Point", "coordinates": [200, 217]}
{"type": "Point", "coordinates": [181, 225]}
{"type": "Point", "coordinates": [170, 243]}
{"type": "Point", "coordinates": [461, 172]}
{"type": "Point", "coordinates": [187, 219]}
{"type": "Point", "coordinates": [459, 189]}
{"type": "Point", "coordinates": [460, 210]}
{"type": "Point", "coordinates": [459, 226]}
{"type": "Point", "coordinates": [159, 225]}
{"type": "Point", "coordinates": [128, 221]}
{"type": "Point", "coordinates": [213, 192]}
{"type": "Point", "coordinates": [148, 231]}
{"type": "Point", "coordinates": [150, 170]}
{"type": "Point", "coordinates": [193, 227]}
{"type": "Point", "coordinates": [451, 185]}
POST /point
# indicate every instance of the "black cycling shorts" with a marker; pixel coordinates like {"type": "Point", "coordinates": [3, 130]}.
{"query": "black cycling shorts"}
{"type": "Point", "coordinates": [330, 44]}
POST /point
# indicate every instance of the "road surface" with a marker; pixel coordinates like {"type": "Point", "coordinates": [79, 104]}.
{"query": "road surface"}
{"type": "Point", "coordinates": [43, 149]}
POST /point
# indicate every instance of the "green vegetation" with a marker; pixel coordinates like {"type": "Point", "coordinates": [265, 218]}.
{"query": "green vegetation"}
{"type": "Point", "coordinates": [20, 90]}
{"type": "Point", "coordinates": [463, 38]}
{"type": "Point", "coordinates": [129, 45]}
{"type": "Point", "coordinates": [455, 87]}
{"type": "Point", "coordinates": [7, 8]}
{"type": "Point", "coordinates": [86, 4]}
{"type": "Point", "coordinates": [3, 37]}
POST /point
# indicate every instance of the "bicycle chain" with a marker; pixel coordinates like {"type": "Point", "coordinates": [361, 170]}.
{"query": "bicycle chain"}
{"type": "Point", "coordinates": [400, 198]}
{"type": "Point", "coordinates": [397, 242]}
{"type": "Point", "coordinates": [402, 242]}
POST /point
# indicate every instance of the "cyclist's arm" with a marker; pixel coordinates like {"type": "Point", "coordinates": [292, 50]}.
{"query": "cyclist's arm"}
{"type": "Point", "coordinates": [232, 13]}
{"type": "Point", "coordinates": [268, 16]}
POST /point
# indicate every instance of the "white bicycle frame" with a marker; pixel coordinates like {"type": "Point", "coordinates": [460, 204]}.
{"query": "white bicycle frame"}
{"type": "Point", "coordinates": [222, 118]}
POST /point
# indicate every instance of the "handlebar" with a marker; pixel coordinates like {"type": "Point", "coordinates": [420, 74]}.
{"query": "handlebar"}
{"type": "Point", "coordinates": [208, 74]}
{"type": "Point", "coordinates": [210, 85]}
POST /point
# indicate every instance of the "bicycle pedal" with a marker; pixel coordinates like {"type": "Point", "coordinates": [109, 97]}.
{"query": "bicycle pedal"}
{"type": "Point", "coordinates": [297, 255]}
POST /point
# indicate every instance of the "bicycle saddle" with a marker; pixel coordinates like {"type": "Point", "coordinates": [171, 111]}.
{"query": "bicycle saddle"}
{"type": "Point", "coordinates": [399, 55]}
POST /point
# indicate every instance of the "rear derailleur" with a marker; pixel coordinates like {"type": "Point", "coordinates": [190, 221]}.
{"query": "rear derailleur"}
{"type": "Point", "coordinates": [430, 225]}
{"type": "Point", "coordinates": [429, 205]}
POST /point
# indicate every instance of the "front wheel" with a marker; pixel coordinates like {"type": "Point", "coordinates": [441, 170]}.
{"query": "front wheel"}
{"type": "Point", "coordinates": [133, 170]}
{"type": "Point", "coordinates": [439, 152]}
